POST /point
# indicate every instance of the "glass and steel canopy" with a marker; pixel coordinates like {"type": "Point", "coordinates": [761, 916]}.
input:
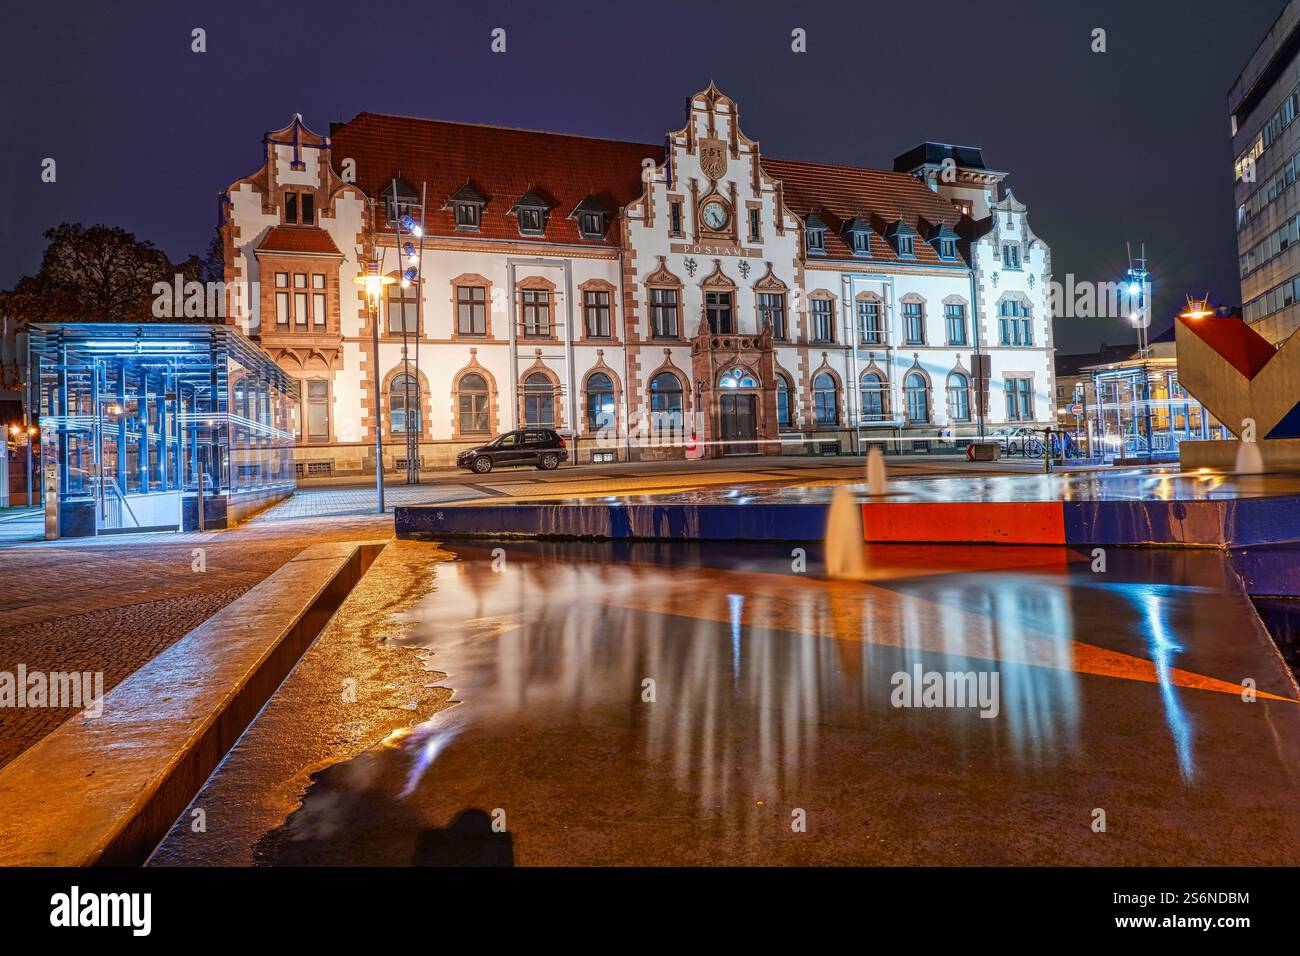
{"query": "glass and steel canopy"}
{"type": "Point", "coordinates": [140, 416]}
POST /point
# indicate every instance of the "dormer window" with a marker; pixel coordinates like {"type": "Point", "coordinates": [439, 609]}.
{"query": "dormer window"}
{"type": "Point", "coordinates": [466, 205]}
{"type": "Point", "coordinates": [944, 241]}
{"type": "Point", "coordinates": [857, 232]}
{"type": "Point", "coordinates": [592, 218]}
{"type": "Point", "coordinates": [467, 216]}
{"type": "Point", "coordinates": [531, 209]}
{"type": "Point", "coordinates": [400, 199]}
{"type": "Point", "coordinates": [1011, 256]}
{"type": "Point", "coordinates": [903, 238]}
{"type": "Point", "coordinates": [530, 222]}
{"type": "Point", "coordinates": [814, 233]}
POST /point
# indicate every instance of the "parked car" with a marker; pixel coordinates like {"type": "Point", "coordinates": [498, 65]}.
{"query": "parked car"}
{"type": "Point", "coordinates": [1015, 440]}
{"type": "Point", "coordinates": [540, 447]}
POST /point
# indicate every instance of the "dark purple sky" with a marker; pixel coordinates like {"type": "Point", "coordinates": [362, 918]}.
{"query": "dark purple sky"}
{"type": "Point", "coordinates": [1130, 144]}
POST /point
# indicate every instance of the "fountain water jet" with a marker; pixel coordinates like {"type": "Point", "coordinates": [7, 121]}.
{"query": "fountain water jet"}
{"type": "Point", "coordinates": [845, 541]}
{"type": "Point", "coordinates": [1249, 459]}
{"type": "Point", "coordinates": [875, 471]}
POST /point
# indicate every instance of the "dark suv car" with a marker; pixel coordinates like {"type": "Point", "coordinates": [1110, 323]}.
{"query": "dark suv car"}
{"type": "Point", "coordinates": [540, 447]}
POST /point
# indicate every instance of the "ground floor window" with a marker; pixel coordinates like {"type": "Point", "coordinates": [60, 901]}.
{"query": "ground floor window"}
{"type": "Point", "coordinates": [404, 404]}
{"type": "Point", "coordinates": [783, 401]}
{"type": "Point", "coordinates": [539, 401]}
{"type": "Point", "coordinates": [472, 399]}
{"type": "Point", "coordinates": [665, 404]}
{"type": "Point", "coordinates": [958, 397]}
{"type": "Point", "coordinates": [826, 405]}
{"type": "Point", "coordinates": [916, 396]}
{"type": "Point", "coordinates": [873, 397]}
{"type": "Point", "coordinates": [600, 401]}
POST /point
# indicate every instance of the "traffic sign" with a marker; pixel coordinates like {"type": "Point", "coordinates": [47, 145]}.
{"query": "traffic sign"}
{"type": "Point", "coordinates": [1076, 409]}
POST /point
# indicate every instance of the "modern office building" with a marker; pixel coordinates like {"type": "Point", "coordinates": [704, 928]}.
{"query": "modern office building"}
{"type": "Point", "coordinates": [1262, 106]}
{"type": "Point", "coordinates": [646, 298]}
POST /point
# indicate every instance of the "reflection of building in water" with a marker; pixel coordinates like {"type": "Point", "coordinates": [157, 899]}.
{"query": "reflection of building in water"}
{"type": "Point", "coordinates": [748, 669]}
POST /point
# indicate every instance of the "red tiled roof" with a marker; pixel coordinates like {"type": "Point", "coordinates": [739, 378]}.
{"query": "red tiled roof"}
{"type": "Point", "coordinates": [501, 163]}
{"type": "Point", "coordinates": [297, 239]}
{"type": "Point", "coordinates": [1240, 345]}
{"type": "Point", "coordinates": [847, 191]}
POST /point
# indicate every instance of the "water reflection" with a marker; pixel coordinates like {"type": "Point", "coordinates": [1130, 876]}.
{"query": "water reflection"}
{"type": "Point", "coordinates": [750, 668]}
{"type": "Point", "coordinates": [658, 703]}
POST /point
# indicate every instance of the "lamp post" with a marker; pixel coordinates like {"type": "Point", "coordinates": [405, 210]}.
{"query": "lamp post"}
{"type": "Point", "coordinates": [373, 281]}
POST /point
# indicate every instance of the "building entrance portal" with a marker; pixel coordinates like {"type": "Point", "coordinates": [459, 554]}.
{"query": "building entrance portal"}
{"type": "Point", "coordinates": [739, 423]}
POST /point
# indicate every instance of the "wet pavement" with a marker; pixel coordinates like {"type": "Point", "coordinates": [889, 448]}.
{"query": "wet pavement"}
{"type": "Point", "coordinates": [772, 731]}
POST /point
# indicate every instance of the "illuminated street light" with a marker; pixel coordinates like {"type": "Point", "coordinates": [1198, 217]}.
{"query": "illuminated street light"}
{"type": "Point", "coordinates": [374, 282]}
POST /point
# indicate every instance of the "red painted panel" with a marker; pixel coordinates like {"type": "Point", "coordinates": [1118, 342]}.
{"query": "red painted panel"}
{"type": "Point", "coordinates": [994, 522]}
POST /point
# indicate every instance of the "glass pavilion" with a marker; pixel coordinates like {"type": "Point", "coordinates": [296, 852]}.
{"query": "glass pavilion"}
{"type": "Point", "coordinates": [143, 419]}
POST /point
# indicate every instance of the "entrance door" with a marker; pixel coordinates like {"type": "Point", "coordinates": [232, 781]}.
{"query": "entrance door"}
{"type": "Point", "coordinates": [739, 423]}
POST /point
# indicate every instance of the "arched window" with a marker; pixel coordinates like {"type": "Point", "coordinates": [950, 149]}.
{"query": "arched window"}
{"type": "Point", "coordinates": [958, 397]}
{"type": "Point", "coordinates": [539, 401]}
{"type": "Point", "coordinates": [826, 400]}
{"type": "Point", "coordinates": [665, 404]}
{"type": "Point", "coordinates": [737, 378]}
{"type": "Point", "coordinates": [915, 392]}
{"type": "Point", "coordinates": [783, 401]}
{"type": "Point", "coordinates": [600, 401]}
{"type": "Point", "coordinates": [472, 402]}
{"type": "Point", "coordinates": [873, 397]}
{"type": "Point", "coordinates": [404, 404]}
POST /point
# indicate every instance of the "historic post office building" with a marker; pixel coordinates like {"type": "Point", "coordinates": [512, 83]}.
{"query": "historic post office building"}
{"type": "Point", "coordinates": [693, 298]}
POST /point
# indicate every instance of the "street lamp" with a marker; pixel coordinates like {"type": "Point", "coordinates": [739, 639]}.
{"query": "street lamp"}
{"type": "Point", "coordinates": [373, 281]}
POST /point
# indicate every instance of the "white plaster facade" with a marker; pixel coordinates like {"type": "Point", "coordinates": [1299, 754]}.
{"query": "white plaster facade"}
{"type": "Point", "coordinates": [703, 214]}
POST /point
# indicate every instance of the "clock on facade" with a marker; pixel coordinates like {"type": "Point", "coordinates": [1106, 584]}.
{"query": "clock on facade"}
{"type": "Point", "coordinates": [714, 214]}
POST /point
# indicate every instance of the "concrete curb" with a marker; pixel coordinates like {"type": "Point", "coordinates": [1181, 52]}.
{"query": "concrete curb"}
{"type": "Point", "coordinates": [103, 791]}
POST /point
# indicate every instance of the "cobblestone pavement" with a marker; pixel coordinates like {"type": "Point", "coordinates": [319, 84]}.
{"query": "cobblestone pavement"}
{"type": "Point", "coordinates": [110, 604]}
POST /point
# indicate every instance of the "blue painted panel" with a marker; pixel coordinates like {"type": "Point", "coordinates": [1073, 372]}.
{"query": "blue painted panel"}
{"type": "Point", "coordinates": [1119, 522]}
{"type": "Point", "coordinates": [1268, 571]}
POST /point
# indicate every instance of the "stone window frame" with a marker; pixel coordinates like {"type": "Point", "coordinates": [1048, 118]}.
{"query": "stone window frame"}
{"type": "Point", "coordinates": [425, 400]}
{"type": "Point", "coordinates": [599, 285]}
{"type": "Point", "coordinates": [471, 280]}
{"type": "Point", "coordinates": [474, 368]}
{"type": "Point", "coordinates": [969, 389]}
{"type": "Point", "coordinates": [881, 318]}
{"type": "Point", "coordinates": [534, 284]}
{"type": "Point", "coordinates": [557, 404]}
{"type": "Point", "coordinates": [886, 413]}
{"type": "Point", "coordinates": [916, 369]}
{"type": "Point", "coordinates": [913, 298]}
{"type": "Point", "coordinates": [823, 295]}
{"type": "Point", "coordinates": [960, 300]}
{"type": "Point", "coordinates": [600, 368]}
{"type": "Point", "coordinates": [304, 437]}
{"type": "Point", "coordinates": [825, 369]}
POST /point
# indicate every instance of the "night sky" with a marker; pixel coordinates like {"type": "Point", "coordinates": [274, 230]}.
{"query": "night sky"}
{"type": "Point", "coordinates": [1129, 144]}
